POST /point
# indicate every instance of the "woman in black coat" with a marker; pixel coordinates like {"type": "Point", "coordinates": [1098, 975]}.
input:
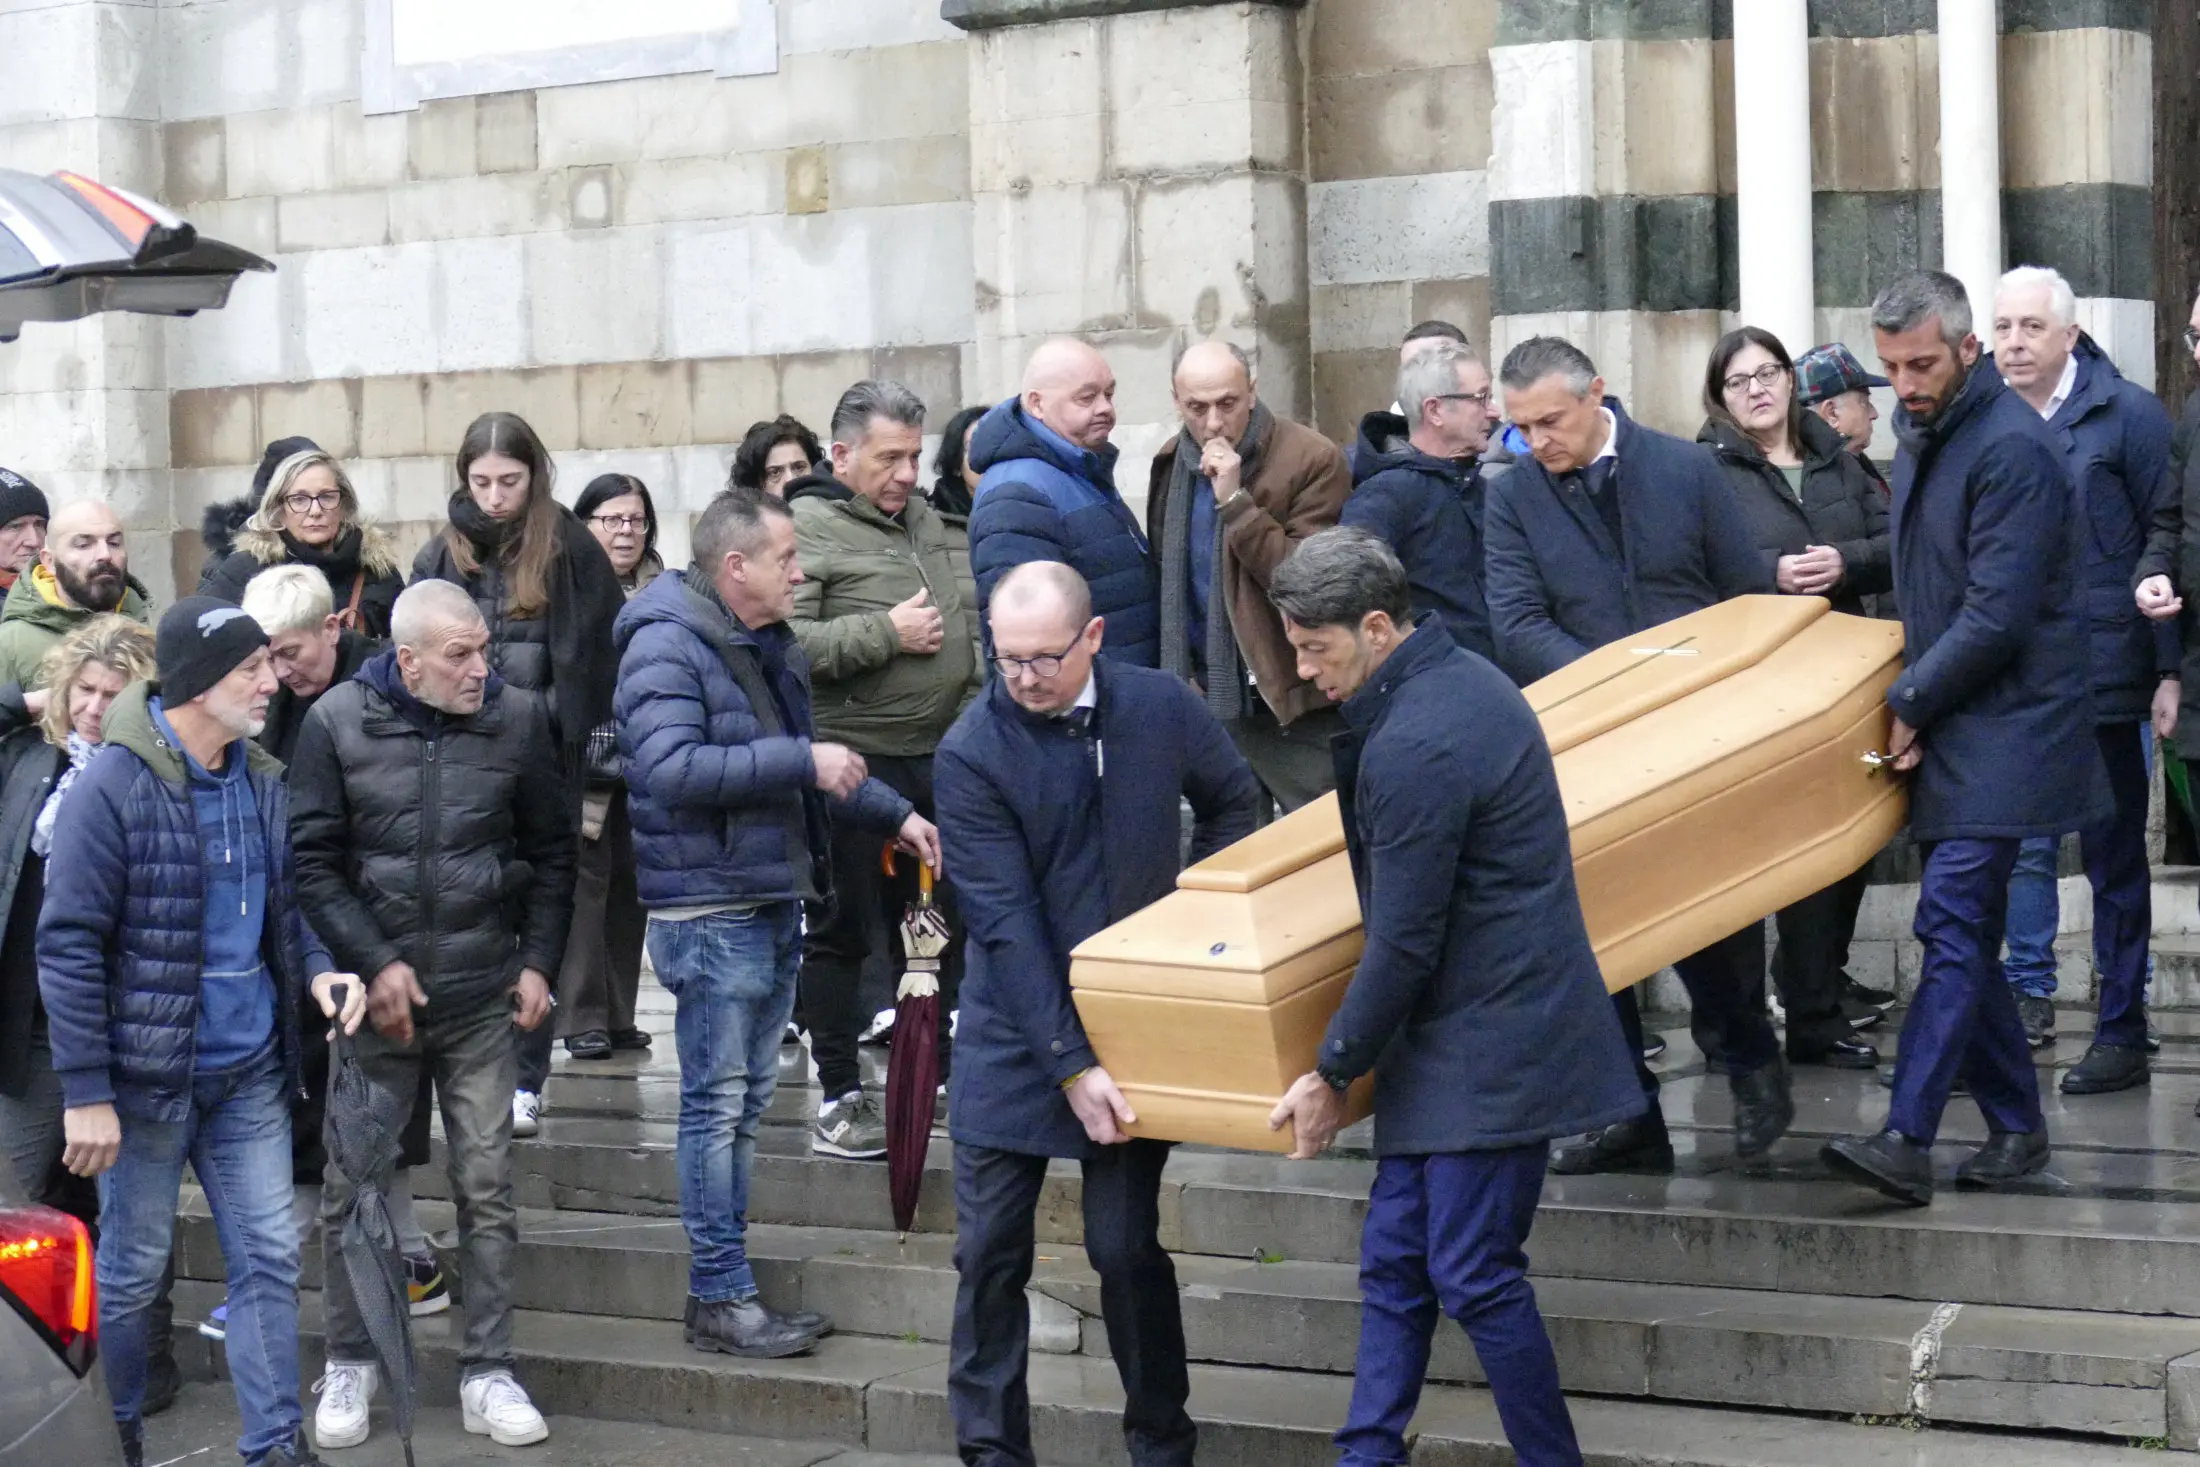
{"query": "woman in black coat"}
{"type": "Point", "coordinates": [308, 514]}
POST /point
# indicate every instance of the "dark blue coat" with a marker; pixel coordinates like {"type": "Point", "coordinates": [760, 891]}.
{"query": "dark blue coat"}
{"type": "Point", "coordinates": [2115, 443]}
{"type": "Point", "coordinates": [1988, 567]}
{"type": "Point", "coordinates": [1478, 1002]}
{"type": "Point", "coordinates": [1044, 853]}
{"type": "Point", "coordinates": [1429, 510]}
{"type": "Point", "coordinates": [720, 803]}
{"type": "Point", "coordinates": [121, 937]}
{"type": "Point", "coordinates": [1044, 498]}
{"type": "Point", "coordinates": [1557, 590]}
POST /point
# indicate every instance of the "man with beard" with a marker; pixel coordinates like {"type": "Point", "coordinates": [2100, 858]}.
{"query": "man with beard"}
{"type": "Point", "coordinates": [83, 571]}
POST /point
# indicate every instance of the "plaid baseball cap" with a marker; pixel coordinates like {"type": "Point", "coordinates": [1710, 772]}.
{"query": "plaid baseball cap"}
{"type": "Point", "coordinates": [1829, 371]}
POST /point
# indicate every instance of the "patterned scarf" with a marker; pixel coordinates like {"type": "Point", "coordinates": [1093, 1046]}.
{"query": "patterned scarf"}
{"type": "Point", "coordinates": [81, 751]}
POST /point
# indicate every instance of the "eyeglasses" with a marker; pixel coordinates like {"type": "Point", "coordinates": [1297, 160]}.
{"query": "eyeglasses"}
{"type": "Point", "coordinates": [1764, 377]}
{"type": "Point", "coordinates": [2192, 339]}
{"type": "Point", "coordinates": [618, 523]}
{"type": "Point", "coordinates": [309, 503]}
{"type": "Point", "coordinates": [1479, 399]}
{"type": "Point", "coordinates": [1046, 664]}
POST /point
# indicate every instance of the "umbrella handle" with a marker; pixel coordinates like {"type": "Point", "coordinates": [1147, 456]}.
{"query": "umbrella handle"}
{"type": "Point", "coordinates": [924, 883]}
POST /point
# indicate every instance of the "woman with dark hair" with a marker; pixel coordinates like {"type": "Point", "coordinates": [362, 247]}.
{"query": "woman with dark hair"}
{"type": "Point", "coordinates": [774, 454]}
{"type": "Point", "coordinates": [952, 490]}
{"type": "Point", "coordinates": [1821, 524]}
{"type": "Point", "coordinates": [308, 514]}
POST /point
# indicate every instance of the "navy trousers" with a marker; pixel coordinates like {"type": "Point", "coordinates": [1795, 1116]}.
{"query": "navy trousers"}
{"type": "Point", "coordinates": [1963, 1019]}
{"type": "Point", "coordinates": [1447, 1232]}
{"type": "Point", "coordinates": [2123, 897]}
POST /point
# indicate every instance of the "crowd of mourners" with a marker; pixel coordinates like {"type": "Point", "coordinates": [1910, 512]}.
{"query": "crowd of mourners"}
{"type": "Point", "coordinates": [448, 812]}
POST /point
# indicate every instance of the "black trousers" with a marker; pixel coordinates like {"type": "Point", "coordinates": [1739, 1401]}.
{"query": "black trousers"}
{"type": "Point", "coordinates": [1726, 984]}
{"type": "Point", "coordinates": [996, 1204]}
{"type": "Point", "coordinates": [1810, 960]}
{"type": "Point", "coordinates": [863, 931]}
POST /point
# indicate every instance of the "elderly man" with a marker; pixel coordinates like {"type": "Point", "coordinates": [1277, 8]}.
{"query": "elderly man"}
{"type": "Point", "coordinates": [1047, 492]}
{"type": "Point", "coordinates": [2115, 439]}
{"type": "Point", "coordinates": [433, 864]}
{"type": "Point", "coordinates": [82, 570]}
{"type": "Point", "coordinates": [893, 658]}
{"type": "Point", "coordinates": [1989, 571]}
{"type": "Point", "coordinates": [311, 647]}
{"type": "Point", "coordinates": [23, 515]}
{"type": "Point", "coordinates": [172, 955]}
{"type": "Point", "coordinates": [733, 796]}
{"type": "Point", "coordinates": [1607, 529]}
{"type": "Point", "coordinates": [1424, 498]}
{"type": "Point", "coordinates": [1023, 777]}
{"type": "Point", "coordinates": [1832, 383]}
{"type": "Point", "coordinates": [1478, 989]}
{"type": "Point", "coordinates": [1229, 496]}
{"type": "Point", "coordinates": [1390, 425]}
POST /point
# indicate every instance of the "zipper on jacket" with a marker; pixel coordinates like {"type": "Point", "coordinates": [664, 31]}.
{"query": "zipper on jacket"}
{"type": "Point", "coordinates": [431, 794]}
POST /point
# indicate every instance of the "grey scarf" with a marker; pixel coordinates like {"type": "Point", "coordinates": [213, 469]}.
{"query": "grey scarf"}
{"type": "Point", "coordinates": [1225, 683]}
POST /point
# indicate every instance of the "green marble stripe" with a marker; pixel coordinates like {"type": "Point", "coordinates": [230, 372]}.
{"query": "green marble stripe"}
{"type": "Point", "coordinates": [987, 15]}
{"type": "Point", "coordinates": [1527, 22]}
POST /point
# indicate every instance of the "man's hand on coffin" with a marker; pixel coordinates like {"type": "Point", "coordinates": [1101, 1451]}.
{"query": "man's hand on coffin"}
{"type": "Point", "coordinates": [1101, 1108]}
{"type": "Point", "coordinates": [1313, 1110]}
{"type": "Point", "coordinates": [2158, 600]}
{"type": "Point", "coordinates": [1903, 747]}
{"type": "Point", "coordinates": [1813, 573]}
{"type": "Point", "coordinates": [2167, 694]}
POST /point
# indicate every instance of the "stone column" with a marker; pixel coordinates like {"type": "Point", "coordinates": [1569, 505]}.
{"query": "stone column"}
{"type": "Point", "coordinates": [1138, 180]}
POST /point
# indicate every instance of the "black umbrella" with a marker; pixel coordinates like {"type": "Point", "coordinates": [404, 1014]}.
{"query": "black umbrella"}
{"type": "Point", "coordinates": [362, 1132]}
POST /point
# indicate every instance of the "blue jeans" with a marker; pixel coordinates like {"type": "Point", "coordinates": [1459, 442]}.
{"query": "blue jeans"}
{"type": "Point", "coordinates": [237, 1139]}
{"type": "Point", "coordinates": [2035, 911]}
{"type": "Point", "coordinates": [1447, 1233]}
{"type": "Point", "coordinates": [732, 977]}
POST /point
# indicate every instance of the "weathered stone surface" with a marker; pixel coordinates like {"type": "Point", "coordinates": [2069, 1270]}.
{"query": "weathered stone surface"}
{"type": "Point", "coordinates": [1527, 22]}
{"type": "Point", "coordinates": [1875, 114]}
{"type": "Point", "coordinates": [504, 132]}
{"type": "Point", "coordinates": [635, 405]}
{"type": "Point", "coordinates": [213, 426]}
{"type": "Point", "coordinates": [981, 15]}
{"type": "Point", "coordinates": [326, 221]}
{"type": "Point", "coordinates": [2100, 235]}
{"type": "Point", "coordinates": [325, 411]}
{"type": "Point", "coordinates": [1433, 226]}
{"type": "Point", "coordinates": [1400, 123]}
{"type": "Point", "coordinates": [1371, 37]}
{"type": "Point", "coordinates": [732, 393]}
{"type": "Point", "coordinates": [392, 417]}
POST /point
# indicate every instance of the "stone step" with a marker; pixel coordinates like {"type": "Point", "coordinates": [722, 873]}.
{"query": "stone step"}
{"type": "Point", "coordinates": [2085, 1373]}
{"type": "Point", "coordinates": [890, 1396]}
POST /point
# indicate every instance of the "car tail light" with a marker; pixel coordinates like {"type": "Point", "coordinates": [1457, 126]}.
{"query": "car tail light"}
{"type": "Point", "coordinates": [46, 1273]}
{"type": "Point", "coordinates": [123, 216]}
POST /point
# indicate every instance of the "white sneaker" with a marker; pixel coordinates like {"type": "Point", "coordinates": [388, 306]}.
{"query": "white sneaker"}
{"type": "Point", "coordinates": [526, 1113]}
{"type": "Point", "coordinates": [494, 1406]}
{"type": "Point", "coordinates": [341, 1418]}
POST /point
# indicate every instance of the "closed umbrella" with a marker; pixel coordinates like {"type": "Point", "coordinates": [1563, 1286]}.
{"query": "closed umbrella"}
{"type": "Point", "coordinates": [913, 1070]}
{"type": "Point", "coordinates": [363, 1139]}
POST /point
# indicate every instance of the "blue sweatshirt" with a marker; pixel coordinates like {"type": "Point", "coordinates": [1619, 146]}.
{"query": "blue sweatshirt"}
{"type": "Point", "coordinates": [236, 992]}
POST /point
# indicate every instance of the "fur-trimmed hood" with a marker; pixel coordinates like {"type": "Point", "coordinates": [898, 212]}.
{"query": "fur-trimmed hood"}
{"type": "Point", "coordinates": [223, 521]}
{"type": "Point", "coordinates": [377, 547]}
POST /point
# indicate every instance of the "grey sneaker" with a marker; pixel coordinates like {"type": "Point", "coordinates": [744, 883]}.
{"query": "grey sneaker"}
{"type": "Point", "coordinates": [852, 1126]}
{"type": "Point", "coordinates": [2039, 1020]}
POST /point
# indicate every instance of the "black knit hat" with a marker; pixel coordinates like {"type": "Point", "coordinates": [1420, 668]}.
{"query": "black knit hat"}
{"type": "Point", "coordinates": [272, 460]}
{"type": "Point", "coordinates": [202, 639]}
{"type": "Point", "coordinates": [19, 497]}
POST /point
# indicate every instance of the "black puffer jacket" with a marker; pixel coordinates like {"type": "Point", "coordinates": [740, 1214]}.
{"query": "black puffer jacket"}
{"type": "Point", "coordinates": [426, 838]}
{"type": "Point", "coordinates": [1842, 506]}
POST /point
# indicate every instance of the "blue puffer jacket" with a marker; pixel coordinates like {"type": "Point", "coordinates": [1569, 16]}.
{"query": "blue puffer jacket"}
{"type": "Point", "coordinates": [120, 938]}
{"type": "Point", "coordinates": [1044, 498]}
{"type": "Point", "coordinates": [722, 794]}
{"type": "Point", "coordinates": [1429, 510]}
{"type": "Point", "coordinates": [2115, 442]}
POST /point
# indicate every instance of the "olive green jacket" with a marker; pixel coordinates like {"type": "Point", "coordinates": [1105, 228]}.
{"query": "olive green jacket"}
{"type": "Point", "coordinates": [857, 565]}
{"type": "Point", "coordinates": [33, 619]}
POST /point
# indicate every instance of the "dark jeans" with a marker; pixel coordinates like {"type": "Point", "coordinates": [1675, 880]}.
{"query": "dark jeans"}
{"type": "Point", "coordinates": [1725, 984]}
{"type": "Point", "coordinates": [1808, 963]}
{"type": "Point", "coordinates": [996, 1205]}
{"type": "Point", "coordinates": [472, 1054]}
{"type": "Point", "coordinates": [1447, 1233]}
{"type": "Point", "coordinates": [863, 928]}
{"type": "Point", "coordinates": [1963, 1019]}
{"type": "Point", "coordinates": [1291, 762]}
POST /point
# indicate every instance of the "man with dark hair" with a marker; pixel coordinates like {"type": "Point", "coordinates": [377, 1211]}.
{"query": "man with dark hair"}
{"type": "Point", "coordinates": [893, 657]}
{"type": "Point", "coordinates": [1606, 530]}
{"type": "Point", "coordinates": [1023, 778]}
{"type": "Point", "coordinates": [1478, 990]}
{"type": "Point", "coordinates": [82, 571]}
{"type": "Point", "coordinates": [1229, 496]}
{"type": "Point", "coordinates": [732, 799]}
{"type": "Point", "coordinates": [1993, 717]}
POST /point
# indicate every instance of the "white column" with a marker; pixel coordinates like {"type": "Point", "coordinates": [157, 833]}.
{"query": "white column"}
{"type": "Point", "coordinates": [1772, 168]}
{"type": "Point", "coordinates": [1970, 150]}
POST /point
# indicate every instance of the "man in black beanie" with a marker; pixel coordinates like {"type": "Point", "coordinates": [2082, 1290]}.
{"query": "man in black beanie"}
{"type": "Point", "coordinates": [23, 515]}
{"type": "Point", "coordinates": [172, 957]}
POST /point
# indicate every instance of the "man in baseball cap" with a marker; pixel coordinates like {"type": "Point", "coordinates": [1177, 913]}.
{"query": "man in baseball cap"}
{"type": "Point", "coordinates": [1832, 383]}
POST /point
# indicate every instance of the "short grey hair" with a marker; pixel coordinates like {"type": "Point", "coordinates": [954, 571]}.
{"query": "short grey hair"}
{"type": "Point", "coordinates": [2062, 301]}
{"type": "Point", "coordinates": [429, 606]}
{"type": "Point", "coordinates": [288, 598]}
{"type": "Point", "coordinates": [1921, 296]}
{"type": "Point", "coordinates": [1545, 356]}
{"type": "Point", "coordinates": [733, 521]}
{"type": "Point", "coordinates": [1337, 576]}
{"type": "Point", "coordinates": [1433, 371]}
{"type": "Point", "coordinates": [868, 401]}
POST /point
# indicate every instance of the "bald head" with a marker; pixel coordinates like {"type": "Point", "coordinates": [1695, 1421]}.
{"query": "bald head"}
{"type": "Point", "coordinates": [1044, 588]}
{"type": "Point", "coordinates": [86, 556]}
{"type": "Point", "coordinates": [1044, 634]}
{"type": "Point", "coordinates": [1069, 387]}
{"type": "Point", "coordinates": [1214, 392]}
{"type": "Point", "coordinates": [424, 608]}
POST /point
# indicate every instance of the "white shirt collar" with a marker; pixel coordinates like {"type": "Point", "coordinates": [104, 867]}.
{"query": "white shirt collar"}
{"type": "Point", "coordinates": [2064, 388]}
{"type": "Point", "coordinates": [1611, 436]}
{"type": "Point", "coordinates": [1090, 697]}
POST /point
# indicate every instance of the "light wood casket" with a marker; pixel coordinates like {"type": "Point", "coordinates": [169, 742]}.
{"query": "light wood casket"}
{"type": "Point", "coordinates": [1714, 769]}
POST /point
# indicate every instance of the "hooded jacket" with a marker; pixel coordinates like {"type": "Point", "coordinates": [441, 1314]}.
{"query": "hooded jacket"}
{"type": "Point", "coordinates": [33, 618]}
{"type": "Point", "coordinates": [364, 557]}
{"type": "Point", "coordinates": [1429, 511]}
{"type": "Point", "coordinates": [858, 563]}
{"type": "Point", "coordinates": [1044, 498]}
{"type": "Point", "coordinates": [1841, 506]}
{"type": "Point", "coordinates": [121, 935]}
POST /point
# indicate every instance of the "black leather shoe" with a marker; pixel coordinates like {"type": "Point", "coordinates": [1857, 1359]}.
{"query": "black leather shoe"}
{"type": "Point", "coordinates": [1639, 1145]}
{"type": "Point", "coordinates": [162, 1382]}
{"type": "Point", "coordinates": [1842, 1054]}
{"type": "Point", "coordinates": [1763, 1109]}
{"type": "Point", "coordinates": [2106, 1067]}
{"type": "Point", "coordinates": [630, 1039]}
{"type": "Point", "coordinates": [2006, 1156]}
{"type": "Point", "coordinates": [1889, 1163]}
{"type": "Point", "coordinates": [2039, 1020]}
{"type": "Point", "coordinates": [589, 1044]}
{"type": "Point", "coordinates": [1653, 1045]}
{"type": "Point", "coordinates": [1878, 998]}
{"type": "Point", "coordinates": [747, 1327]}
{"type": "Point", "coordinates": [1861, 1015]}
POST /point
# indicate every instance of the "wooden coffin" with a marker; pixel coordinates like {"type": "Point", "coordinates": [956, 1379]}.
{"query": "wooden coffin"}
{"type": "Point", "coordinates": [1714, 769]}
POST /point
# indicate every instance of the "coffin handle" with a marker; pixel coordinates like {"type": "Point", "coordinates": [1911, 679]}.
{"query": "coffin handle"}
{"type": "Point", "coordinates": [1876, 761]}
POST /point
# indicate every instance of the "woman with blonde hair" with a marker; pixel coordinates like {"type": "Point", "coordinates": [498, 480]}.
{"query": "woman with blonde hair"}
{"type": "Point", "coordinates": [309, 515]}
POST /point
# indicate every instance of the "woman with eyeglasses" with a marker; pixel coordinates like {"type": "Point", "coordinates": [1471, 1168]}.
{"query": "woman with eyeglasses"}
{"type": "Point", "coordinates": [1821, 524]}
{"type": "Point", "coordinates": [308, 514]}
